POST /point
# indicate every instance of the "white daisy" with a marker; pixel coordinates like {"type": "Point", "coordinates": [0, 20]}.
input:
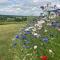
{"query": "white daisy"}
{"type": "Point", "coordinates": [40, 26]}
{"type": "Point", "coordinates": [36, 25]}
{"type": "Point", "coordinates": [35, 34]}
{"type": "Point", "coordinates": [27, 29]}
{"type": "Point", "coordinates": [35, 47]}
{"type": "Point", "coordinates": [30, 27]}
{"type": "Point", "coordinates": [34, 29]}
{"type": "Point", "coordinates": [45, 30]}
{"type": "Point", "coordinates": [50, 51]}
{"type": "Point", "coordinates": [41, 22]}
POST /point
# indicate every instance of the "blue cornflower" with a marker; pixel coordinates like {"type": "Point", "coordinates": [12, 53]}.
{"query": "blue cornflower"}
{"type": "Point", "coordinates": [17, 36]}
{"type": "Point", "coordinates": [27, 32]}
{"type": "Point", "coordinates": [24, 36]}
{"type": "Point", "coordinates": [45, 39]}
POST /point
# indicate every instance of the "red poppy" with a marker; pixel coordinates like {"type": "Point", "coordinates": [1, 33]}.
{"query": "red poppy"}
{"type": "Point", "coordinates": [44, 57]}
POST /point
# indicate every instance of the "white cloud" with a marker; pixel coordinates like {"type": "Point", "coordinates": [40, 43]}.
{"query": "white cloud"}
{"type": "Point", "coordinates": [34, 8]}
{"type": "Point", "coordinates": [35, 1]}
{"type": "Point", "coordinates": [18, 9]}
{"type": "Point", "coordinates": [3, 1]}
{"type": "Point", "coordinates": [58, 5]}
{"type": "Point", "coordinates": [24, 7]}
{"type": "Point", "coordinates": [10, 10]}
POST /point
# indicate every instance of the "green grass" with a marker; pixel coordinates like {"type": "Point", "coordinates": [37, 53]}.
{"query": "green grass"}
{"type": "Point", "coordinates": [52, 44]}
{"type": "Point", "coordinates": [7, 32]}
{"type": "Point", "coordinates": [7, 52]}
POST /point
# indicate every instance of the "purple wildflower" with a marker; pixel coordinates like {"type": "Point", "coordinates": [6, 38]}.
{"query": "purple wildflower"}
{"type": "Point", "coordinates": [17, 36]}
{"type": "Point", "coordinates": [45, 39]}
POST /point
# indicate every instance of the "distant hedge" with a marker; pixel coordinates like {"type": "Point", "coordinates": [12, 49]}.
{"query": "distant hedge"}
{"type": "Point", "coordinates": [4, 18]}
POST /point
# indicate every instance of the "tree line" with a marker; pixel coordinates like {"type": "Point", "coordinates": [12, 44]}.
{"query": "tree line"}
{"type": "Point", "coordinates": [8, 18]}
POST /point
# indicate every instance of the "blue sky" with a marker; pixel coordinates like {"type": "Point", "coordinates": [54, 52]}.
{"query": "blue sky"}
{"type": "Point", "coordinates": [24, 7]}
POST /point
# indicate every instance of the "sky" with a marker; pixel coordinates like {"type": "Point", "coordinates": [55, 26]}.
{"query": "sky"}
{"type": "Point", "coordinates": [24, 7]}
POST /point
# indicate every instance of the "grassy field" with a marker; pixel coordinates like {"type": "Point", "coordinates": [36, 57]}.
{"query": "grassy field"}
{"type": "Point", "coordinates": [7, 32]}
{"type": "Point", "coordinates": [7, 52]}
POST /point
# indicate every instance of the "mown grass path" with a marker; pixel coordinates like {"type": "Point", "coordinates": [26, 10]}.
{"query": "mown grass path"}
{"type": "Point", "coordinates": [7, 32]}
